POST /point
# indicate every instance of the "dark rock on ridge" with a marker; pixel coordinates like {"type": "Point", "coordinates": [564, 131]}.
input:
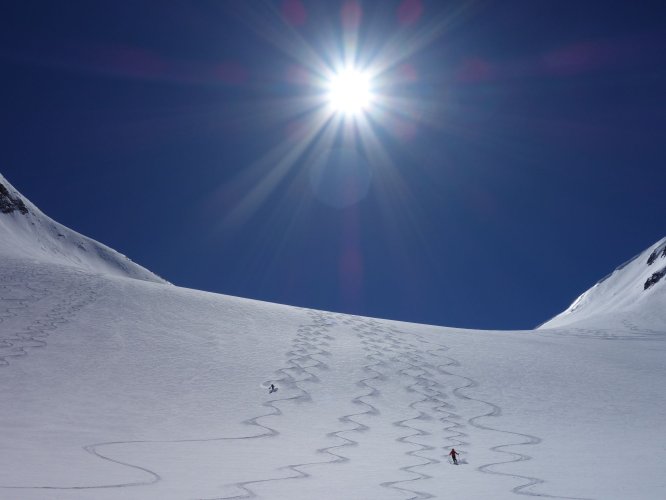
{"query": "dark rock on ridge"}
{"type": "Point", "coordinates": [9, 203]}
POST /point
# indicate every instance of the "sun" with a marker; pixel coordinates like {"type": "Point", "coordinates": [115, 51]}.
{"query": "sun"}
{"type": "Point", "coordinates": [350, 92]}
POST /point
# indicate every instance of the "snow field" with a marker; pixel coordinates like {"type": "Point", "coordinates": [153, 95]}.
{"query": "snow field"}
{"type": "Point", "coordinates": [116, 388]}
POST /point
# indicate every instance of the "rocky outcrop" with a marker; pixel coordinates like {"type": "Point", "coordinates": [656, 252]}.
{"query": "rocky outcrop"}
{"type": "Point", "coordinates": [9, 203]}
{"type": "Point", "coordinates": [660, 251]}
{"type": "Point", "coordinates": [652, 280]}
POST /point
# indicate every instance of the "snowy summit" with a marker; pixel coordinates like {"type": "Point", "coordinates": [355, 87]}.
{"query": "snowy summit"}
{"type": "Point", "coordinates": [118, 385]}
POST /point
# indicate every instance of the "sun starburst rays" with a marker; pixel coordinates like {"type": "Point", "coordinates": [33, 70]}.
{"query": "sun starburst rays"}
{"type": "Point", "coordinates": [343, 97]}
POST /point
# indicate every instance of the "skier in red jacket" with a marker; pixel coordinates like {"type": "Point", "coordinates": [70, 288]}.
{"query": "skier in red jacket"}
{"type": "Point", "coordinates": [454, 455]}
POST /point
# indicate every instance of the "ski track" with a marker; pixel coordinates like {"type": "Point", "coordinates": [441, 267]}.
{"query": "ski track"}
{"type": "Point", "coordinates": [369, 331]}
{"type": "Point", "coordinates": [494, 411]}
{"type": "Point", "coordinates": [310, 340]}
{"type": "Point", "coordinates": [637, 333]}
{"type": "Point", "coordinates": [365, 383]}
{"type": "Point", "coordinates": [72, 299]}
{"type": "Point", "coordinates": [379, 342]}
{"type": "Point", "coordinates": [423, 383]}
{"type": "Point", "coordinates": [300, 345]}
{"type": "Point", "coordinates": [18, 342]}
{"type": "Point", "coordinates": [428, 388]}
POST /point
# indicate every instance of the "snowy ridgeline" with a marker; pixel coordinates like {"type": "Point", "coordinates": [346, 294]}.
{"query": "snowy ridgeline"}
{"type": "Point", "coordinates": [631, 297]}
{"type": "Point", "coordinates": [26, 232]}
{"type": "Point", "coordinates": [122, 388]}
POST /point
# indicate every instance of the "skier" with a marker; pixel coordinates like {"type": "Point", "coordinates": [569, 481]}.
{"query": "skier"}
{"type": "Point", "coordinates": [272, 389]}
{"type": "Point", "coordinates": [454, 455]}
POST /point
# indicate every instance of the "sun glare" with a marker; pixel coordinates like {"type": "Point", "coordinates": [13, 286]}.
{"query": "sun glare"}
{"type": "Point", "coordinates": [340, 106]}
{"type": "Point", "coordinates": [349, 92]}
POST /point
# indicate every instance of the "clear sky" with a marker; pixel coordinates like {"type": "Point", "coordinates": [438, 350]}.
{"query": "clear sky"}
{"type": "Point", "coordinates": [514, 152]}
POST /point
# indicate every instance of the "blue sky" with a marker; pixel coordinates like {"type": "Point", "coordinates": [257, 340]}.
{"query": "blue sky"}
{"type": "Point", "coordinates": [522, 155]}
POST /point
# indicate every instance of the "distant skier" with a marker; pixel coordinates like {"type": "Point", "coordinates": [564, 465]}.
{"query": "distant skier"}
{"type": "Point", "coordinates": [454, 455]}
{"type": "Point", "coordinates": [272, 389]}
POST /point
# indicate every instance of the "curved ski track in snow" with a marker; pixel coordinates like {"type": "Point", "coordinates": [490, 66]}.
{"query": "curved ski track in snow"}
{"type": "Point", "coordinates": [413, 453]}
{"type": "Point", "coordinates": [73, 298]}
{"type": "Point", "coordinates": [374, 352]}
{"type": "Point", "coordinates": [304, 349]}
{"type": "Point", "coordinates": [633, 332]}
{"type": "Point", "coordinates": [298, 353]}
{"type": "Point", "coordinates": [418, 370]}
{"type": "Point", "coordinates": [319, 319]}
{"type": "Point", "coordinates": [495, 411]}
{"type": "Point", "coordinates": [17, 343]}
{"type": "Point", "coordinates": [67, 308]}
{"type": "Point", "coordinates": [287, 380]}
{"type": "Point", "coordinates": [349, 418]}
{"type": "Point", "coordinates": [368, 331]}
{"type": "Point", "coordinates": [374, 338]}
{"type": "Point", "coordinates": [358, 400]}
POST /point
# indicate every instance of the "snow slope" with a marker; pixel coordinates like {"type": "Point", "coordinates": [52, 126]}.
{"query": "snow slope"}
{"type": "Point", "coordinates": [633, 297]}
{"type": "Point", "coordinates": [118, 388]}
{"type": "Point", "coordinates": [26, 232]}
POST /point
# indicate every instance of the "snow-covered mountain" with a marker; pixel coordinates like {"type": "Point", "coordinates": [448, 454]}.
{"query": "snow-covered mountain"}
{"type": "Point", "coordinates": [26, 232]}
{"type": "Point", "coordinates": [634, 295]}
{"type": "Point", "coordinates": [116, 388]}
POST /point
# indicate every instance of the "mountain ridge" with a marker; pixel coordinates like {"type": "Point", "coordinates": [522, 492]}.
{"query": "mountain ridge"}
{"type": "Point", "coordinates": [25, 231]}
{"type": "Point", "coordinates": [634, 292]}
